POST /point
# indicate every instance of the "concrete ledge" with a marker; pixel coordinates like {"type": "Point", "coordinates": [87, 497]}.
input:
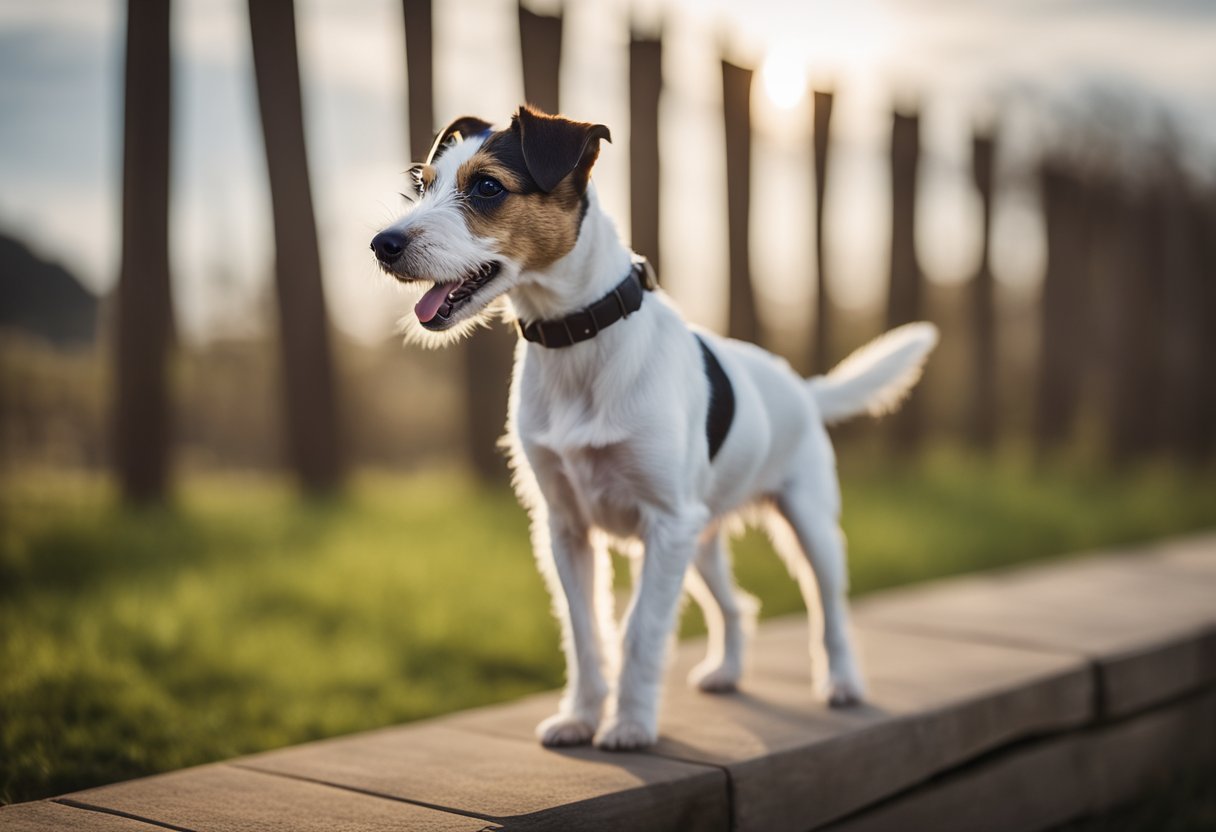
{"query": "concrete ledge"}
{"type": "Point", "coordinates": [1043, 784]}
{"type": "Point", "coordinates": [500, 779]}
{"type": "Point", "coordinates": [1143, 617]}
{"type": "Point", "coordinates": [224, 797]}
{"type": "Point", "coordinates": [794, 764]}
{"type": "Point", "coordinates": [1015, 700]}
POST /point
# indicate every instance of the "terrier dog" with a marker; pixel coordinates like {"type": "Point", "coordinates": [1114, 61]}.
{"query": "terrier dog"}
{"type": "Point", "coordinates": [627, 427]}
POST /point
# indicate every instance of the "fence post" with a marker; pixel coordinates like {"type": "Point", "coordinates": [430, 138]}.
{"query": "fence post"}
{"type": "Point", "coordinates": [311, 413]}
{"type": "Point", "coordinates": [821, 355]}
{"type": "Point", "coordinates": [144, 329]}
{"type": "Point", "coordinates": [1203, 223]}
{"type": "Point", "coordinates": [419, 62]}
{"type": "Point", "coordinates": [1062, 349]}
{"type": "Point", "coordinates": [489, 354]}
{"type": "Point", "coordinates": [540, 40]}
{"type": "Point", "coordinates": [744, 323]}
{"type": "Point", "coordinates": [983, 416]}
{"type": "Point", "coordinates": [1135, 412]}
{"type": "Point", "coordinates": [645, 88]}
{"type": "Point", "coordinates": [904, 296]}
{"type": "Point", "coordinates": [1184, 362]}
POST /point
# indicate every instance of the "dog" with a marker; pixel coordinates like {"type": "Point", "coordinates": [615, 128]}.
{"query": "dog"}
{"type": "Point", "coordinates": [626, 426]}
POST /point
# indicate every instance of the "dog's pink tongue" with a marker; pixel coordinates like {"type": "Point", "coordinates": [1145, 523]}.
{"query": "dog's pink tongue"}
{"type": "Point", "coordinates": [426, 308]}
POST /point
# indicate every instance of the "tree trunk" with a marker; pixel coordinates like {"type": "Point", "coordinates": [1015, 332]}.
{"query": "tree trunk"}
{"type": "Point", "coordinates": [983, 411]}
{"type": "Point", "coordinates": [904, 297]}
{"type": "Point", "coordinates": [145, 311]}
{"type": "Point", "coordinates": [744, 323]}
{"type": "Point", "coordinates": [645, 88]}
{"type": "Point", "coordinates": [821, 354]}
{"type": "Point", "coordinates": [419, 76]}
{"type": "Point", "coordinates": [313, 439]}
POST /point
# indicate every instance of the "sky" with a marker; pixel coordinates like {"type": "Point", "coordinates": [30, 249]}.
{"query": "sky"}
{"type": "Point", "coordinates": [1022, 63]}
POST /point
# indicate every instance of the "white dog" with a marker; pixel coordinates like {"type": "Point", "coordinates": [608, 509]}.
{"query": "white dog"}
{"type": "Point", "coordinates": [626, 425]}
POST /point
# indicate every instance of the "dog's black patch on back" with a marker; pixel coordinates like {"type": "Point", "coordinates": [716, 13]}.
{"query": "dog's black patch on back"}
{"type": "Point", "coordinates": [721, 400]}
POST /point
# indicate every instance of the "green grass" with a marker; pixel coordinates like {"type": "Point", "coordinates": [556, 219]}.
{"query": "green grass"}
{"type": "Point", "coordinates": [242, 618]}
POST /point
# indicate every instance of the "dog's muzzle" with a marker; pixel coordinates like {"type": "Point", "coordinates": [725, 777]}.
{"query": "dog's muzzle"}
{"type": "Point", "coordinates": [388, 246]}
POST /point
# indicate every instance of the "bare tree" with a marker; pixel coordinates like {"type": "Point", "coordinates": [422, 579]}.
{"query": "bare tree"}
{"type": "Point", "coordinates": [145, 313]}
{"type": "Point", "coordinates": [736, 112]}
{"type": "Point", "coordinates": [313, 434]}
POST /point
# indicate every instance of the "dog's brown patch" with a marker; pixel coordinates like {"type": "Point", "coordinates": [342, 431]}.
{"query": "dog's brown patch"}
{"type": "Point", "coordinates": [426, 176]}
{"type": "Point", "coordinates": [532, 227]}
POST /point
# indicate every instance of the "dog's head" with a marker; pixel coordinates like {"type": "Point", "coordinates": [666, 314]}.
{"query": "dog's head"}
{"type": "Point", "coordinates": [488, 208]}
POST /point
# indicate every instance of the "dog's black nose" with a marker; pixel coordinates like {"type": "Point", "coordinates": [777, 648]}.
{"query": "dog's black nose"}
{"type": "Point", "coordinates": [388, 245]}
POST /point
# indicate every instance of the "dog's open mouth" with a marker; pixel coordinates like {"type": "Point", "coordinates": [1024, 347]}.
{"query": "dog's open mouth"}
{"type": "Point", "coordinates": [438, 308]}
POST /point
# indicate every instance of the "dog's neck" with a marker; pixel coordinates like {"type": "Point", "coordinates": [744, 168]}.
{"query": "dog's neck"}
{"type": "Point", "coordinates": [596, 264]}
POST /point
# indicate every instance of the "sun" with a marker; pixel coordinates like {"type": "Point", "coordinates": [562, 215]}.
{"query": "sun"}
{"type": "Point", "coordinates": [784, 76]}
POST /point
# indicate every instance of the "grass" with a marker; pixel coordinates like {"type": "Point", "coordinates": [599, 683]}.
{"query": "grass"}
{"type": "Point", "coordinates": [242, 618]}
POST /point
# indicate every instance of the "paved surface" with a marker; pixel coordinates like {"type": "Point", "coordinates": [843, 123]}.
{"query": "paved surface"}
{"type": "Point", "coordinates": [1011, 700]}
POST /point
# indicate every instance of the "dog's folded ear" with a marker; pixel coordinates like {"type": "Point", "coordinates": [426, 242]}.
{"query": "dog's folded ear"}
{"type": "Point", "coordinates": [555, 147]}
{"type": "Point", "coordinates": [461, 128]}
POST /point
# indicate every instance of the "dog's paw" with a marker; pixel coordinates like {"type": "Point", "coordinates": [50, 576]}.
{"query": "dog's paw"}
{"type": "Point", "coordinates": [564, 730]}
{"type": "Point", "coordinates": [623, 734]}
{"type": "Point", "coordinates": [715, 677]}
{"type": "Point", "coordinates": [846, 692]}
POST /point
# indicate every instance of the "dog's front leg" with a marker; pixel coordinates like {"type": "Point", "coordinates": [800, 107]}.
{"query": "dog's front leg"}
{"type": "Point", "coordinates": [572, 584]}
{"type": "Point", "coordinates": [634, 710]}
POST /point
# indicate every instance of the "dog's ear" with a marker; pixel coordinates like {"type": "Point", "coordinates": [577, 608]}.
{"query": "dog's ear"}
{"type": "Point", "coordinates": [556, 147]}
{"type": "Point", "coordinates": [461, 128]}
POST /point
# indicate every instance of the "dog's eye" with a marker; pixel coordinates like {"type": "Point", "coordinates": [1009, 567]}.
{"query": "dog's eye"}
{"type": "Point", "coordinates": [487, 187]}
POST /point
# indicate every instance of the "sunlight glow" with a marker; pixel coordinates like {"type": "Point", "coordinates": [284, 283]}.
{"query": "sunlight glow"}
{"type": "Point", "coordinates": [784, 76]}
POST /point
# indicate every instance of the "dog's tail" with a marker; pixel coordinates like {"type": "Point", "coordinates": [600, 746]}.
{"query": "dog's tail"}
{"type": "Point", "coordinates": [876, 378]}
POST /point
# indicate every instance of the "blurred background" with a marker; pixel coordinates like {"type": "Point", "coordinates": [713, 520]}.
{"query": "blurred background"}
{"type": "Point", "coordinates": [235, 512]}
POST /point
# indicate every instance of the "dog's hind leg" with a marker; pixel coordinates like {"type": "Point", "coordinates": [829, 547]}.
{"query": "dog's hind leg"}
{"type": "Point", "coordinates": [571, 578]}
{"type": "Point", "coordinates": [729, 614]}
{"type": "Point", "coordinates": [817, 540]}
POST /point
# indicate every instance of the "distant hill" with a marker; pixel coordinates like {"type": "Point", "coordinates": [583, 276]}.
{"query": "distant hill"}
{"type": "Point", "coordinates": [43, 298]}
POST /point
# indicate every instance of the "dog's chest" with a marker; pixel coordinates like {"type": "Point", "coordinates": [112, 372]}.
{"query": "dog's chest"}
{"type": "Point", "coordinates": [598, 427]}
{"type": "Point", "coordinates": [587, 467]}
{"type": "Point", "coordinates": [603, 488]}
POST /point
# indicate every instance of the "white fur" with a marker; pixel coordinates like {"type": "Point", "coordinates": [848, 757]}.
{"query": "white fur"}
{"type": "Point", "coordinates": [876, 378]}
{"type": "Point", "coordinates": [607, 442]}
{"type": "Point", "coordinates": [441, 250]}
